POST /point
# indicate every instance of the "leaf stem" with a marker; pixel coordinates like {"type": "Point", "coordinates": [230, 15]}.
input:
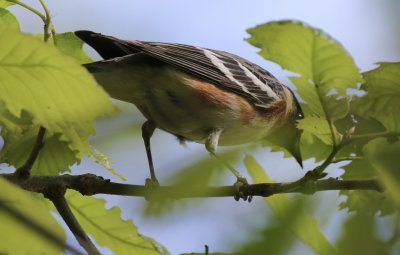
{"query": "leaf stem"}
{"type": "Point", "coordinates": [337, 160]}
{"type": "Point", "coordinates": [370, 136]}
{"type": "Point", "coordinates": [49, 30]}
{"type": "Point", "coordinates": [30, 8]}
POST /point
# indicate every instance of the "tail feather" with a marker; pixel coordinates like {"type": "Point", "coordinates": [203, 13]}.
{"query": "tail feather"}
{"type": "Point", "coordinates": [107, 46]}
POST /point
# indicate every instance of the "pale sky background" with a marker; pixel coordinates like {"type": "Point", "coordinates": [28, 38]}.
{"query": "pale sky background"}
{"type": "Point", "coordinates": [368, 29]}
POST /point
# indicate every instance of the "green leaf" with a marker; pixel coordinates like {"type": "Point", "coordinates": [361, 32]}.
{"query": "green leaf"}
{"type": "Point", "coordinates": [55, 157]}
{"type": "Point", "coordinates": [316, 126]}
{"type": "Point", "coordinates": [195, 177]}
{"type": "Point", "coordinates": [305, 227]}
{"type": "Point", "coordinates": [107, 227]}
{"type": "Point", "coordinates": [7, 19]}
{"type": "Point", "coordinates": [105, 161]}
{"type": "Point", "coordinates": [275, 238]}
{"type": "Point", "coordinates": [18, 238]}
{"type": "Point", "coordinates": [383, 154]}
{"type": "Point", "coordinates": [198, 174]}
{"type": "Point", "coordinates": [382, 101]}
{"type": "Point", "coordinates": [392, 185]}
{"type": "Point", "coordinates": [360, 237]}
{"type": "Point", "coordinates": [384, 157]}
{"type": "Point", "coordinates": [5, 3]}
{"type": "Point", "coordinates": [367, 201]}
{"type": "Point", "coordinates": [362, 169]}
{"type": "Point", "coordinates": [307, 51]}
{"type": "Point", "coordinates": [326, 72]}
{"type": "Point", "coordinates": [72, 46]}
{"type": "Point", "coordinates": [312, 147]}
{"type": "Point", "coordinates": [51, 88]}
{"type": "Point", "coordinates": [337, 108]}
{"type": "Point", "coordinates": [359, 169]}
{"type": "Point", "coordinates": [308, 93]}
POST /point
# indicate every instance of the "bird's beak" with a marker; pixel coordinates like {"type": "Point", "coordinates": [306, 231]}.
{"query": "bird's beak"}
{"type": "Point", "coordinates": [289, 137]}
{"type": "Point", "coordinates": [296, 153]}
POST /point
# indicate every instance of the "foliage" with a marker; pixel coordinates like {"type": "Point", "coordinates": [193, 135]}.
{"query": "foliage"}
{"type": "Point", "coordinates": [42, 84]}
{"type": "Point", "coordinates": [13, 232]}
{"type": "Point", "coordinates": [107, 227]}
{"type": "Point", "coordinates": [291, 213]}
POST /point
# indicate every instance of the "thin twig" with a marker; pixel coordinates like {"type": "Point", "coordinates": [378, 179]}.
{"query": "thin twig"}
{"type": "Point", "coordinates": [24, 170]}
{"type": "Point", "coordinates": [46, 10]}
{"type": "Point", "coordinates": [369, 136]}
{"type": "Point", "coordinates": [65, 211]}
{"type": "Point", "coordinates": [40, 230]}
{"type": "Point", "coordinates": [317, 173]}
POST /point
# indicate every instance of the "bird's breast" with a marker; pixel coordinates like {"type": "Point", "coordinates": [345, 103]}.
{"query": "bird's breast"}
{"type": "Point", "coordinates": [191, 108]}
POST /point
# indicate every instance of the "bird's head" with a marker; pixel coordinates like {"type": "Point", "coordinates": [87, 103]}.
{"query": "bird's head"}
{"type": "Point", "coordinates": [288, 135]}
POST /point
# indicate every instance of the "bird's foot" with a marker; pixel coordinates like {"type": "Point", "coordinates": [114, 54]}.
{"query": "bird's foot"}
{"type": "Point", "coordinates": [239, 186]}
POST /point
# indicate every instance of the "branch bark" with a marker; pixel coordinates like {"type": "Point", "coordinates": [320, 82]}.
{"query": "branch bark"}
{"type": "Point", "coordinates": [89, 184]}
{"type": "Point", "coordinates": [54, 189]}
{"type": "Point", "coordinates": [80, 235]}
{"type": "Point", "coordinates": [25, 169]}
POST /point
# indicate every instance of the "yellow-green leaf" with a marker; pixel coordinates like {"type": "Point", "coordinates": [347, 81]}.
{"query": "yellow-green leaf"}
{"type": "Point", "coordinates": [105, 161]}
{"type": "Point", "coordinates": [18, 238]}
{"type": "Point", "coordinates": [55, 157]}
{"type": "Point", "coordinates": [72, 46]}
{"type": "Point", "coordinates": [316, 126]}
{"type": "Point", "coordinates": [384, 157]}
{"type": "Point", "coordinates": [107, 227]}
{"type": "Point", "coordinates": [359, 236]}
{"type": "Point", "coordinates": [195, 177]}
{"type": "Point", "coordinates": [382, 101]}
{"type": "Point", "coordinates": [54, 90]}
{"type": "Point", "coordinates": [8, 20]}
{"type": "Point", "coordinates": [5, 3]}
{"type": "Point", "coordinates": [307, 51]}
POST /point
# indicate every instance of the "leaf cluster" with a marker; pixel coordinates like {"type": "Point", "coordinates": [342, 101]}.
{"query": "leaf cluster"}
{"type": "Point", "coordinates": [350, 117]}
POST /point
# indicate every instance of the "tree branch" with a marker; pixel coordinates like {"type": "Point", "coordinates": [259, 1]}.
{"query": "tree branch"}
{"type": "Point", "coordinates": [25, 169]}
{"type": "Point", "coordinates": [56, 193]}
{"type": "Point", "coordinates": [62, 207]}
{"type": "Point", "coordinates": [89, 184]}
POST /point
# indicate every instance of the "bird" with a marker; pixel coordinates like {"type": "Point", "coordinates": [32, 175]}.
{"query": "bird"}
{"type": "Point", "coordinates": [198, 94]}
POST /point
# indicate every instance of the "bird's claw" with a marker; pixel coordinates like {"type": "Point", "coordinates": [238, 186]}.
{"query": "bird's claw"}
{"type": "Point", "coordinates": [239, 185]}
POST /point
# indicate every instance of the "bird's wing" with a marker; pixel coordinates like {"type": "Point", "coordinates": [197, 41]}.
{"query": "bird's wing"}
{"type": "Point", "coordinates": [223, 69]}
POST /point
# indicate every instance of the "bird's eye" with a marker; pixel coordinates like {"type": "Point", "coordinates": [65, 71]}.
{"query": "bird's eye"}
{"type": "Point", "coordinates": [300, 115]}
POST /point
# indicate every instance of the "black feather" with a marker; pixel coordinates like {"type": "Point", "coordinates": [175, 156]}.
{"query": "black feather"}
{"type": "Point", "coordinates": [193, 60]}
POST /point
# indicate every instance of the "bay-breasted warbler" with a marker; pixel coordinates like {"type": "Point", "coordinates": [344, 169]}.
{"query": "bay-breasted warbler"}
{"type": "Point", "coordinates": [197, 94]}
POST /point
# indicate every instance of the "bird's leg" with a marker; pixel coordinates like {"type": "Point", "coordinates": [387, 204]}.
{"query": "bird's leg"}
{"type": "Point", "coordinates": [147, 131]}
{"type": "Point", "coordinates": [211, 146]}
